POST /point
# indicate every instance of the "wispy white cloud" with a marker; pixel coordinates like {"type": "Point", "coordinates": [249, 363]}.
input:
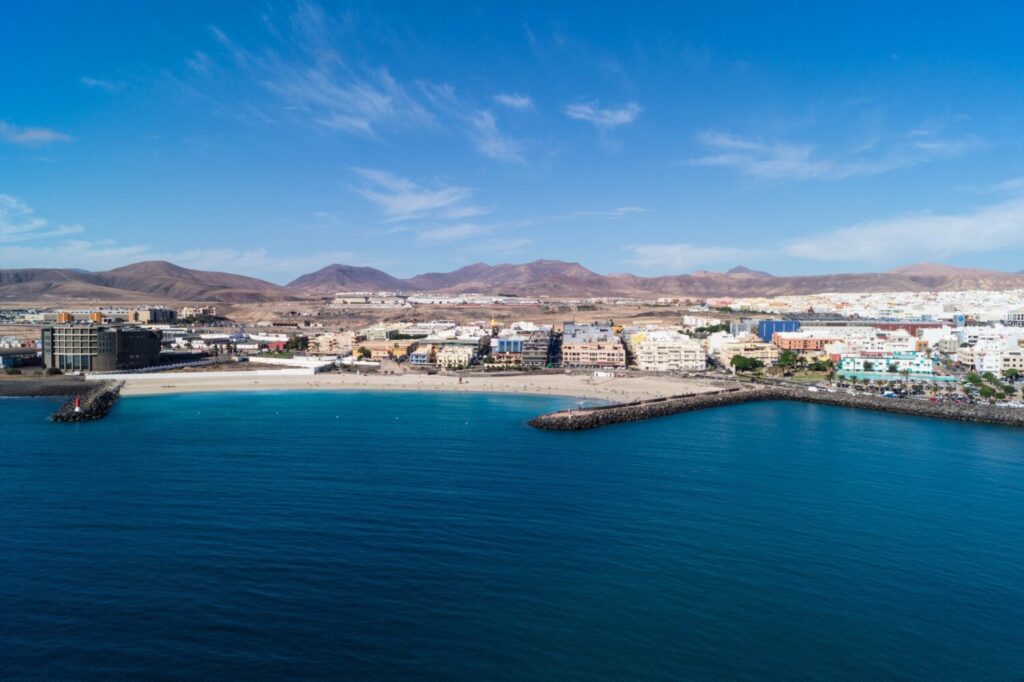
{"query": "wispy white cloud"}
{"type": "Point", "coordinates": [199, 62]}
{"type": "Point", "coordinates": [102, 84]}
{"type": "Point", "coordinates": [75, 253]}
{"type": "Point", "coordinates": [899, 239]}
{"type": "Point", "coordinates": [254, 260]}
{"type": "Point", "coordinates": [106, 254]}
{"type": "Point", "coordinates": [490, 141]}
{"type": "Point", "coordinates": [499, 246]}
{"type": "Point", "coordinates": [480, 125]}
{"type": "Point", "coordinates": [403, 199]}
{"type": "Point", "coordinates": [29, 241]}
{"type": "Point", "coordinates": [948, 147]}
{"type": "Point", "coordinates": [600, 214]}
{"type": "Point", "coordinates": [514, 101]}
{"type": "Point", "coordinates": [30, 136]}
{"type": "Point", "coordinates": [1012, 185]}
{"type": "Point", "coordinates": [18, 222]}
{"type": "Point", "coordinates": [313, 77]}
{"type": "Point", "coordinates": [773, 159]}
{"type": "Point", "coordinates": [612, 213]}
{"type": "Point", "coordinates": [684, 257]}
{"type": "Point", "coordinates": [604, 118]}
{"type": "Point", "coordinates": [450, 233]}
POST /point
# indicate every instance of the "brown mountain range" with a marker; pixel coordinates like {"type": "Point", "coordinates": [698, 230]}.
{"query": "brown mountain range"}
{"type": "Point", "coordinates": [558, 278]}
{"type": "Point", "coordinates": [158, 280]}
{"type": "Point", "coordinates": [150, 280]}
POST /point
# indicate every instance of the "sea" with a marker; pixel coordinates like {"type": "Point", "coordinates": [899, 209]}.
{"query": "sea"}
{"type": "Point", "coordinates": [433, 536]}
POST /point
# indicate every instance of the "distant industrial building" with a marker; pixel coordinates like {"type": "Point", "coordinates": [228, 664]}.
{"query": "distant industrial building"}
{"type": "Point", "coordinates": [152, 316]}
{"type": "Point", "coordinates": [766, 328]}
{"type": "Point", "coordinates": [1013, 319]}
{"type": "Point", "coordinates": [87, 348]}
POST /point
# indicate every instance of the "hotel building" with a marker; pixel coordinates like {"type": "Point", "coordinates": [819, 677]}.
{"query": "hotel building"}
{"type": "Point", "coordinates": [87, 348]}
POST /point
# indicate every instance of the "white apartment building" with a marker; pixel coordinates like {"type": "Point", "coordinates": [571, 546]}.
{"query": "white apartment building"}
{"type": "Point", "coordinates": [695, 321]}
{"type": "Point", "coordinates": [456, 356]}
{"type": "Point", "coordinates": [660, 354]}
{"type": "Point", "coordinates": [999, 360]}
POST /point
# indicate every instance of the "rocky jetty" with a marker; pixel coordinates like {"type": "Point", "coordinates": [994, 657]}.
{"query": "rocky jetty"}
{"type": "Point", "coordinates": [578, 420]}
{"type": "Point", "coordinates": [94, 403]}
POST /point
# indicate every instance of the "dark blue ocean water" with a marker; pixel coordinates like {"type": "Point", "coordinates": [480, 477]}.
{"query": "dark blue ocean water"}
{"type": "Point", "coordinates": [382, 536]}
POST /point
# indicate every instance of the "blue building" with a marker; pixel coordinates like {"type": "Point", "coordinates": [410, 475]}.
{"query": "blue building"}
{"type": "Point", "coordinates": [507, 345]}
{"type": "Point", "coordinates": [766, 328]}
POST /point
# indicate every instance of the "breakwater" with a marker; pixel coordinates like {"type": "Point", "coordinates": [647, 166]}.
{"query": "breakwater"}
{"type": "Point", "coordinates": [94, 403]}
{"type": "Point", "coordinates": [578, 420]}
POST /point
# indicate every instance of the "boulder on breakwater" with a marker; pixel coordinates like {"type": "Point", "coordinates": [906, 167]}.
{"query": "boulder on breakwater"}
{"type": "Point", "coordinates": [94, 403]}
{"type": "Point", "coordinates": [578, 420]}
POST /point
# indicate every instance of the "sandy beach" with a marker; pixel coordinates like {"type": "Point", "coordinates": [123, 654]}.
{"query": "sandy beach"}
{"type": "Point", "coordinates": [583, 386]}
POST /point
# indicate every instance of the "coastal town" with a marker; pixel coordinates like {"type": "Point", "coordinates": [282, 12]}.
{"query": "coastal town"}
{"type": "Point", "coordinates": [958, 347]}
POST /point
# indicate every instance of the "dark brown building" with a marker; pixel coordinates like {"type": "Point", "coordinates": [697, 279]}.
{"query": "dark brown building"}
{"type": "Point", "coordinates": [77, 348]}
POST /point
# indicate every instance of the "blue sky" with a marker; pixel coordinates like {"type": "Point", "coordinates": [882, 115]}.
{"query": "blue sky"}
{"type": "Point", "coordinates": [656, 138]}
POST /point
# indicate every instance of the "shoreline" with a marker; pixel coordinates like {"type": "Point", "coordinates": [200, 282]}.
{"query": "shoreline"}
{"type": "Point", "coordinates": [573, 386]}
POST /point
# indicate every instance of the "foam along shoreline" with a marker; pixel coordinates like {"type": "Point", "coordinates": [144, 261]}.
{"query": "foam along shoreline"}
{"type": "Point", "coordinates": [579, 386]}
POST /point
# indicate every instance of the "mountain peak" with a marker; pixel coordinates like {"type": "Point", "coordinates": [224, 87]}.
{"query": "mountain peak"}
{"type": "Point", "coordinates": [744, 270]}
{"type": "Point", "coordinates": [338, 277]}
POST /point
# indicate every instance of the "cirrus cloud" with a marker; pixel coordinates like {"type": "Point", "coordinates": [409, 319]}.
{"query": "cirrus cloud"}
{"type": "Point", "coordinates": [604, 118]}
{"type": "Point", "coordinates": [514, 101]}
{"type": "Point", "coordinates": [919, 236]}
{"type": "Point", "coordinates": [31, 136]}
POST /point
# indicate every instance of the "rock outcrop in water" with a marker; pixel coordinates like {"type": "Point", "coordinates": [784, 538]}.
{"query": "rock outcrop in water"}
{"type": "Point", "coordinates": [578, 420]}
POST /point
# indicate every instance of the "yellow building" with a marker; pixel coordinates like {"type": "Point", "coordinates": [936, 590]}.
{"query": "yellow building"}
{"type": "Point", "coordinates": [768, 353]}
{"type": "Point", "coordinates": [382, 350]}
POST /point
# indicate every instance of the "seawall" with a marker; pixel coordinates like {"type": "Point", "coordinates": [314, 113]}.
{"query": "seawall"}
{"type": "Point", "coordinates": [25, 387]}
{"type": "Point", "coordinates": [95, 403]}
{"type": "Point", "coordinates": [578, 420]}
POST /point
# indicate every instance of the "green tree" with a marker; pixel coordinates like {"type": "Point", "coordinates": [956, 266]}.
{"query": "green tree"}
{"type": "Point", "coordinates": [744, 364]}
{"type": "Point", "coordinates": [788, 358]}
{"type": "Point", "coordinates": [297, 343]}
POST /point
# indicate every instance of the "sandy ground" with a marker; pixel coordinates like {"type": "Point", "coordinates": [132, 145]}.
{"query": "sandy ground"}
{"type": "Point", "coordinates": [619, 389]}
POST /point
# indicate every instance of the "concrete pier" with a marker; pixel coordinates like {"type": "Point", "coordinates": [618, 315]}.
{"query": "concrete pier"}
{"type": "Point", "coordinates": [578, 420]}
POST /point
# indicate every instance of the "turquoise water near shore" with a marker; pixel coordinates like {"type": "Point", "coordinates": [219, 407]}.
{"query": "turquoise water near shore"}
{"type": "Point", "coordinates": [436, 536]}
